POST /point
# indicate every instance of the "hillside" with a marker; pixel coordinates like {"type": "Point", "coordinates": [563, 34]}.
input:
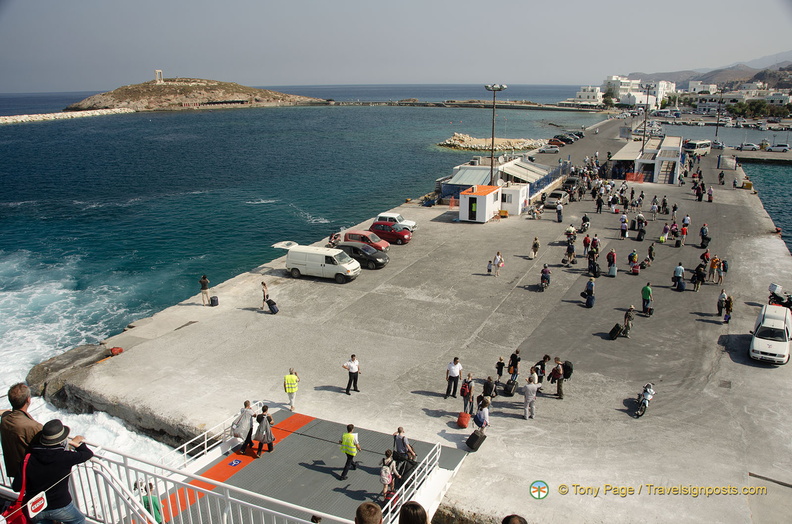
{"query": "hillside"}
{"type": "Point", "coordinates": [187, 93]}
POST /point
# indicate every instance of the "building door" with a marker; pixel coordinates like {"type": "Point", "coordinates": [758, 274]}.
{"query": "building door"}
{"type": "Point", "coordinates": [472, 208]}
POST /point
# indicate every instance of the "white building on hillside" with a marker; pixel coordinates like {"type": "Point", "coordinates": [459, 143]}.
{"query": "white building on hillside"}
{"type": "Point", "coordinates": [694, 86]}
{"type": "Point", "coordinates": [639, 98]}
{"type": "Point", "coordinates": [778, 99]}
{"type": "Point", "coordinates": [661, 89]}
{"type": "Point", "coordinates": [588, 96]}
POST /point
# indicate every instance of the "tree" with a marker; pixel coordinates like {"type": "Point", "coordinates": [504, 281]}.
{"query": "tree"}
{"type": "Point", "coordinates": [607, 101]}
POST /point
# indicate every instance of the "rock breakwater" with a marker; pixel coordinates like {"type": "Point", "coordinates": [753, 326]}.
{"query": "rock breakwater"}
{"type": "Point", "coordinates": [468, 143]}
{"type": "Point", "coordinates": [43, 117]}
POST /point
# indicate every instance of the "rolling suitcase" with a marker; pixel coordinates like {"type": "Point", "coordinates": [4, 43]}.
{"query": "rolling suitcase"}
{"type": "Point", "coordinates": [509, 388]}
{"type": "Point", "coordinates": [590, 301]}
{"type": "Point", "coordinates": [273, 307]}
{"type": "Point", "coordinates": [475, 440]}
{"type": "Point", "coordinates": [636, 269]}
{"type": "Point", "coordinates": [633, 224]}
{"type": "Point", "coordinates": [681, 284]}
{"type": "Point", "coordinates": [597, 271]}
{"type": "Point", "coordinates": [214, 301]}
{"type": "Point", "coordinates": [613, 270]}
{"type": "Point", "coordinates": [463, 420]}
{"type": "Point", "coordinates": [678, 243]}
{"type": "Point", "coordinates": [705, 242]}
{"type": "Point", "coordinates": [615, 332]}
{"type": "Point", "coordinates": [641, 235]}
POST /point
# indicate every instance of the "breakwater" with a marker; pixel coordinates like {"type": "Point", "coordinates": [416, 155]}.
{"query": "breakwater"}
{"type": "Point", "coordinates": [43, 117]}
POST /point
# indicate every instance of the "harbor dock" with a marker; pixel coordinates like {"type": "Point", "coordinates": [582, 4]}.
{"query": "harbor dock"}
{"type": "Point", "coordinates": [718, 419]}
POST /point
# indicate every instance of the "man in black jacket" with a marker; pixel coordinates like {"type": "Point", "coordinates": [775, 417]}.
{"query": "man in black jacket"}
{"type": "Point", "coordinates": [49, 469]}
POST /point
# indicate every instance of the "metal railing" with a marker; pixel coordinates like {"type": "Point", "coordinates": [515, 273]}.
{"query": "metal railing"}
{"type": "Point", "coordinates": [410, 485]}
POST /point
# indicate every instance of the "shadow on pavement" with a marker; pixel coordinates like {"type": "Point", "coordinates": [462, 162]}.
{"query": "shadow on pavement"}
{"type": "Point", "coordinates": [336, 389]}
{"type": "Point", "coordinates": [428, 393]}
{"type": "Point", "coordinates": [737, 348]}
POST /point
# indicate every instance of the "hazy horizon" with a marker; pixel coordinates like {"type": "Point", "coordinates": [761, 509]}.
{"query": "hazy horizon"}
{"type": "Point", "coordinates": [50, 46]}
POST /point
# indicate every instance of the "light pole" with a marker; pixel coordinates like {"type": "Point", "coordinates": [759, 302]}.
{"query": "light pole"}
{"type": "Point", "coordinates": [717, 123]}
{"type": "Point", "coordinates": [494, 88]}
{"type": "Point", "coordinates": [646, 114]}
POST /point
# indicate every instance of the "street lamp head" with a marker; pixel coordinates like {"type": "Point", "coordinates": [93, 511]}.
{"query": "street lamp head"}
{"type": "Point", "coordinates": [495, 87]}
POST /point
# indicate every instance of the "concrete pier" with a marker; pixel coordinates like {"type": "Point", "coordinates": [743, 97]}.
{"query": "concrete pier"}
{"type": "Point", "coordinates": [69, 115]}
{"type": "Point", "coordinates": [718, 418]}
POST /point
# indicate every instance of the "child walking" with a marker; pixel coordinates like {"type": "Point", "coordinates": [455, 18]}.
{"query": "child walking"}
{"type": "Point", "coordinates": [499, 365]}
{"type": "Point", "coordinates": [489, 267]}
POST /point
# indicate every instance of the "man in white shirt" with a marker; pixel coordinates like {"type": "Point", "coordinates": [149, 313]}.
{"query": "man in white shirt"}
{"type": "Point", "coordinates": [353, 366]}
{"type": "Point", "coordinates": [452, 377]}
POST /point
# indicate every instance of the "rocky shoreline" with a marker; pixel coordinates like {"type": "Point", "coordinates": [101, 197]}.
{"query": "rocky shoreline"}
{"type": "Point", "coordinates": [43, 117]}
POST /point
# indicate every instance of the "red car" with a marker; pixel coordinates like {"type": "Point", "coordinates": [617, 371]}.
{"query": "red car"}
{"type": "Point", "coordinates": [555, 142]}
{"type": "Point", "coordinates": [392, 232]}
{"type": "Point", "coordinates": [367, 237]}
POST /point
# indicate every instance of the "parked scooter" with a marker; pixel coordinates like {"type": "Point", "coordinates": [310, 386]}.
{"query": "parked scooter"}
{"type": "Point", "coordinates": [643, 399]}
{"type": "Point", "coordinates": [335, 238]}
{"type": "Point", "coordinates": [778, 297]}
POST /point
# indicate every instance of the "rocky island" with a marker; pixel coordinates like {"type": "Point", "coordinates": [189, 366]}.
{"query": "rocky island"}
{"type": "Point", "coordinates": [171, 94]}
{"type": "Point", "coordinates": [469, 143]}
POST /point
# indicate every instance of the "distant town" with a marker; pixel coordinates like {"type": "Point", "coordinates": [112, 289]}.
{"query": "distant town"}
{"type": "Point", "coordinates": [747, 99]}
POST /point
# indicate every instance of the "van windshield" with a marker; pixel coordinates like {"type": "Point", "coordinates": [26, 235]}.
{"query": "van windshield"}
{"type": "Point", "coordinates": [343, 258]}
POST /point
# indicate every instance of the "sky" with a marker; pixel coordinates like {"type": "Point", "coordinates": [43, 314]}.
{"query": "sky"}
{"type": "Point", "coordinates": [98, 45]}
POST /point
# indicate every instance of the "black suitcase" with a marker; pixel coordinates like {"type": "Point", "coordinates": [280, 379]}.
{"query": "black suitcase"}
{"type": "Point", "coordinates": [273, 307]}
{"type": "Point", "coordinates": [705, 242]}
{"type": "Point", "coordinates": [615, 332]}
{"type": "Point", "coordinates": [678, 243]}
{"type": "Point", "coordinates": [475, 440]}
{"type": "Point", "coordinates": [641, 235]}
{"type": "Point", "coordinates": [214, 301]}
{"type": "Point", "coordinates": [597, 271]}
{"type": "Point", "coordinates": [633, 224]}
{"type": "Point", "coordinates": [650, 312]}
{"type": "Point", "coordinates": [590, 301]}
{"type": "Point", "coordinates": [509, 388]}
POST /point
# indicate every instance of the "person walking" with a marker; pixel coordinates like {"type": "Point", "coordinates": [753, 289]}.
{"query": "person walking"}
{"type": "Point", "coordinates": [629, 316]}
{"type": "Point", "coordinates": [482, 416]}
{"type": "Point", "coordinates": [646, 297]}
{"type": "Point", "coordinates": [403, 452]}
{"type": "Point", "coordinates": [586, 244]}
{"type": "Point", "coordinates": [350, 446]}
{"type": "Point", "coordinates": [264, 295]}
{"type": "Point", "coordinates": [728, 307]}
{"type": "Point", "coordinates": [560, 211]}
{"type": "Point", "coordinates": [264, 431]}
{"type": "Point", "coordinates": [557, 376]}
{"type": "Point", "coordinates": [713, 267]}
{"type": "Point", "coordinates": [290, 382]}
{"type": "Point", "coordinates": [719, 271]}
{"type": "Point", "coordinates": [699, 276]}
{"type": "Point", "coordinates": [489, 267]}
{"type": "Point", "coordinates": [651, 252]}
{"type": "Point", "coordinates": [49, 469]}
{"type": "Point", "coordinates": [204, 290]}
{"type": "Point", "coordinates": [722, 301]}
{"type": "Point", "coordinates": [150, 500]}
{"type": "Point", "coordinates": [611, 258]}
{"type": "Point", "coordinates": [353, 367]}
{"type": "Point", "coordinates": [600, 203]}
{"type": "Point", "coordinates": [17, 431]}
{"type": "Point", "coordinates": [467, 394]}
{"type": "Point", "coordinates": [683, 233]}
{"type": "Point", "coordinates": [679, 274]}
{"type": "Point", "coordinates": [535, 247]}
{"type": "Point", "coordinates": [388, 472]}
{"type": "Point", "coordinates": [453, 371]}
{"type": "Point", "coordinates": [243, 426]}
{"type": "Point", "coordinates": [514, 364]}
{"type": "Point", "coordinates": [499, 365]}
{"type": "Point", "coordinates": [703, 233]}
{"type": "Point", "coordinates": [498, 263]}
{"type": "Point", "coordinates": [529, 390]}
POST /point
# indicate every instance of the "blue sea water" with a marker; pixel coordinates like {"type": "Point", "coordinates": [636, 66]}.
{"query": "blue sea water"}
{"type": "Point", "coordinates": [109, 219]}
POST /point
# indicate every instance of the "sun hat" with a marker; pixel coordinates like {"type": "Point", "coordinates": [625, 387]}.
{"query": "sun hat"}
{"type": "Point", "coordinates": [54, 433]}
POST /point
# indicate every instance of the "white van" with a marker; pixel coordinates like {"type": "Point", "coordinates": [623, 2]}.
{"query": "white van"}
{"type": "Point", "coordinates": [322, 262]}
{"type": "Point", "coordinates": [772, 335]}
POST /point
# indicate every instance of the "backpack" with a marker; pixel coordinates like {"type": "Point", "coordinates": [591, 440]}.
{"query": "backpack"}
{"type": "Point", "coordinates": [567, 369]}
{"type": "Point", "coordinates": [479, 419]}
{"type": "Point", "coordinates": [725, 264]}
{"type": "Point", "coordinates": [465, 389]}
{"type": "Point", "coordinates": [385, 475]}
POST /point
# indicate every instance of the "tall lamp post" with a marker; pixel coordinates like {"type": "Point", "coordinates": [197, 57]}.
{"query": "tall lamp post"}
{"type": "Point", "coordinates": [717, 123]}
{"type": "Point", "coordinates": [494, 88]}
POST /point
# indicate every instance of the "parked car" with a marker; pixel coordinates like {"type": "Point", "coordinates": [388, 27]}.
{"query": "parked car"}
{"type": "Point", "coordinates": [748, 147]}
{"type": "Point", "coordinates": [571, 183]}
{"type": "Point", "coordinates": [366, 255]}
{"type": "Point", "coordinates": [558, 196]}
{"type": "Point", "coordinates": [717, 144]}
{"type": "Point", "coordinates": [579, 134]}
{"type": "Point", "coordinates": [771, 335]}
{"type": "Point", "coordinates": [549, 149]}
{"type": "Point", "coordinates": [564, 138]}
{"type": "Point", "coordinates": [556, 142]}
{"type": "Point", "coordinates": [367, 237]}
{"type": "Point", "coordinates": [396, 218]}
{"type": "Point", "coordinates": [393, 233]}
{"type": "Point", "coordinates": [783, 148]}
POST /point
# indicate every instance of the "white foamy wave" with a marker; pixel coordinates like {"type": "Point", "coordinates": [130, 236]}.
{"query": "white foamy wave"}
{"type": "Point", "coordinates": [262, 201]}
{"type": "Point", "coordinates": [19, 204]}
{"type": "Point", "coordinates": [99, 205]}
{"type": "Point", "coordinates": [46, 310]}
{"type": "Point", "coordinates": [308, 217]}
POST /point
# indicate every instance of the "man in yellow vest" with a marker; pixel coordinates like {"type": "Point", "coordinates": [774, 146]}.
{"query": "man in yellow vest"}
{"type": "Point", "coordinates": [350, 446]}
{"type": "Point", "coordinates": [290, 386]}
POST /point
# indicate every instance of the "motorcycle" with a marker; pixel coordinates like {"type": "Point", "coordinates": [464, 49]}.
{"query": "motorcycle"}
{"type": "Point", "coordinates": [544, 281]}
{"type": "Point", "coordinates": [334, 239]}
{"type": "Point", "coordinates": [643, 399]}
{"type": "Point", "coordinates": [584, 227]}
{"type": "Point", "coordinates": [778, 297]}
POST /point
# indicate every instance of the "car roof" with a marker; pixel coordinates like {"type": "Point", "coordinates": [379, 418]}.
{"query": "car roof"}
{"type": "Point", "coordinates": [775, 316]}
{"type": "Point", "coordinates": [350, 243]}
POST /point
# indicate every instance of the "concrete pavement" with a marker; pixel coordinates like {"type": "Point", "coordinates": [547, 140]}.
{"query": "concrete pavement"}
{"type": "Point", "coordinates": [717, 415]}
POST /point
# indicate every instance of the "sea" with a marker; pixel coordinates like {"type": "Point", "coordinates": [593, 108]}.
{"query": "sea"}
{"type": "Point", "coordinates": [110, 219]}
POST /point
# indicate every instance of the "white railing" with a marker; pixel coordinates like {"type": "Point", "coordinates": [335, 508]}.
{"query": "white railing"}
{"type": "Point", "coordinates": [410, 485]}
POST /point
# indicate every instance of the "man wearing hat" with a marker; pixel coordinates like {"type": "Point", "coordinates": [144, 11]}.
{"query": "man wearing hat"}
{"type": "Point", "coordinates": [629, 316]}
{"type": "Point", "coordinates": [49, 469]}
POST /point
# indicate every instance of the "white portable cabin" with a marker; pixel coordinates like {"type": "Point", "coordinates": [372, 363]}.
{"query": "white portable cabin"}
{"type": "Point", "coordinates": [514, 198]}
{"type": "Point", "coordinates": [479, 203]}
